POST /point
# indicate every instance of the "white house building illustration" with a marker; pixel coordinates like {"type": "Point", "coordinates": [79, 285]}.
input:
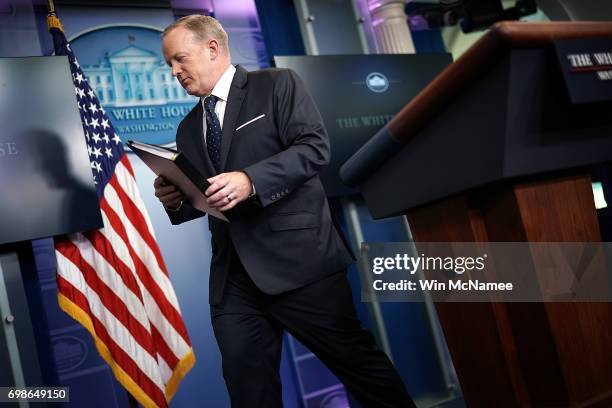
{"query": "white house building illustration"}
{"type": "Point", "coordinates": [134, 76]}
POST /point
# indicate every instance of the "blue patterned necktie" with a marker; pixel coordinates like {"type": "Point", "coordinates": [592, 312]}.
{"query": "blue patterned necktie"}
{"type": "Point", "coordinates": [213, 132]}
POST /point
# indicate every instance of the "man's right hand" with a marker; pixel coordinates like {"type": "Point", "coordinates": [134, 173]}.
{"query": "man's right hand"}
{"type": "Point", "coordinates": [168, 194]}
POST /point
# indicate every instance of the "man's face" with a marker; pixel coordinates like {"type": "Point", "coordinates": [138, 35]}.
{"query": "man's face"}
{"type": "Point", "coordinates": [193, 62]}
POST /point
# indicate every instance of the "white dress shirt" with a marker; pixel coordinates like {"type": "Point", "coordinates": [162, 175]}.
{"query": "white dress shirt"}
{"type": "Point", "coordinates": [221, 91]}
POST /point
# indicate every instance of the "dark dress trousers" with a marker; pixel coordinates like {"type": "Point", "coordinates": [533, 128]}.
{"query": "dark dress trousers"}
{"type": "Point", "coordinates": [280, 263]}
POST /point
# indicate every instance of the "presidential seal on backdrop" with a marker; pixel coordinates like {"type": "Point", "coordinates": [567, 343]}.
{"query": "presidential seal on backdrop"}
{"type": "Point", "coordinates": [125, 67]}
{"type": "Point", "coordinates": [70, 353]}
{"type": "Point", "coordinates": [377, 82]}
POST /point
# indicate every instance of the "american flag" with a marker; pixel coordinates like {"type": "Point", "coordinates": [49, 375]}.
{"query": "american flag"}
{"type": "Point", "coordinates": [114, 280]}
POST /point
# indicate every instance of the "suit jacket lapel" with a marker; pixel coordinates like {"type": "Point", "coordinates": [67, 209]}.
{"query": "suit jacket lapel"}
{"type": "Point", "coordinates": [196, 136]}
{"type": "Point", "coordinates": [232, 109]}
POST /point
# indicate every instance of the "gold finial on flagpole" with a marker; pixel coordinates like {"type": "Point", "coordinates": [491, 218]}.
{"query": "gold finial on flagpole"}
{"type": "Point", "coordinates": [52, 20]}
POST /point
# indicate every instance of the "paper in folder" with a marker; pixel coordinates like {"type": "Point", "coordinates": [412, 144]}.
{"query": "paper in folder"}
{"type": "Point", "coordinates": [176, 169]}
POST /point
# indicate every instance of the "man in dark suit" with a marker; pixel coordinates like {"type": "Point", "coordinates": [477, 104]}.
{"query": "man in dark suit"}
{"type": "Point", "coordinates": [280, 264]}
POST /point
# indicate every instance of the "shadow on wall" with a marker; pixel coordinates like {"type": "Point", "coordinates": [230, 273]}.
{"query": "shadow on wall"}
{"type": "Point", "coordinates": [43, 196]}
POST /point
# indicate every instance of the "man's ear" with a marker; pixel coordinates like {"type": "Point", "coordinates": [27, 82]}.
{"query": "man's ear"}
{"type": "Point", "coordinates": [213, 48]}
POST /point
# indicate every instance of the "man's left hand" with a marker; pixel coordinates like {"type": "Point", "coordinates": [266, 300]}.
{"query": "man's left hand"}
{"type": "Point", "coordinates": [228, 189]}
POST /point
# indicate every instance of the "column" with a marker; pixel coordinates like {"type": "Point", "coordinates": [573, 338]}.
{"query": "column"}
{"type": "Point", "coordinates": [390, 26]}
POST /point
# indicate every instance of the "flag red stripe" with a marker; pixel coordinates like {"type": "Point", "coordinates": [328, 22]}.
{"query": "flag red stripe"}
{"type": "Point", "coordinates": [122, 359]}
{"type": "Point", "coordinates": [162, 348]}
{"type": "Point", "coordinates": [110, 300]}
{"type": "Point", "coordinates": [128, 166]}
{"type": "Point", "coordinates": [104, 248]}
{"type": "Point", "coordinates": [138, 221]}
{"type": "Point", "coordinates": [168, 310]}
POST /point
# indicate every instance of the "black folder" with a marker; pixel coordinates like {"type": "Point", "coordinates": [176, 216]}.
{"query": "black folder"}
{"type": "Point", "coordinates": [173, 166]}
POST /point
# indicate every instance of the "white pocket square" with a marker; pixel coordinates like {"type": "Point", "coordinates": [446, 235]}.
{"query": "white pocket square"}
{"type": "Point", "coordinates": [250, 121]}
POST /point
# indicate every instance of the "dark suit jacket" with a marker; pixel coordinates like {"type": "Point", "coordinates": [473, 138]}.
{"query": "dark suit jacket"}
{"type": "Point", "coordinates": [285, 236]}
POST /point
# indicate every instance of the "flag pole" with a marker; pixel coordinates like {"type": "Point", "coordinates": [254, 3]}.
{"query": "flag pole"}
{"type": "Point", "coordinates": [51, 7]}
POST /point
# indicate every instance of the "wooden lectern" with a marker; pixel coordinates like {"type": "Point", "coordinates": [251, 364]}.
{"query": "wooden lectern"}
{"type": "Point", "coordinates": [493, 150]}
